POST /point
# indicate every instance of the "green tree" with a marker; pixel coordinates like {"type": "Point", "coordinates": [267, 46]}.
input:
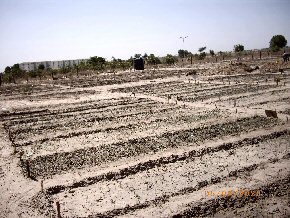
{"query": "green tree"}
{"type": "Point", "coordinates": [82, 66]}
{"type": "Point", "coordinates": [152, 60]}
{"type": "Point", "coordinates": [130, 62]}
{"type": "Point", "coordinates": [202, 56]}
{"type": "Point", "coordinates": [201, 49]}
{"type": "Point", "coordinates": [7, 70]}
{"type": "Point", "coordinates": [40, 70]}
{"type": "Point", "coordinates": [183, 53]}
{"type": "Point", "coordinates": [52, 72]}
{"type": "Point", "coordinates": [41, 67]}
{"type": "Point", "coordinates": [277, 42]}
{"type": "Point", "coordinates": [7, 74]}
{"type": "Point", "coordinates": [170, 59]}
{"type": "Point", "coordinates": [113, 64]}
{"type": "Point", "coordinates": [33, 73]}
{"type": "Point", "coordinates": [16, 72]}
{"type": "Point", "coordinates": [202, 53]}
{"type": "Point", "coordinates": [97, 63]}
{"type": "Point", "coordinates": [222, 54]}
{"type": "Point", "coordinates": [76, 68]}
{"type": "Point", "coordinates": [137, 55]}
{"type": "Point", "coordinates": [125, 64]}
{"type": "Point", "coordinates": [239, 48]}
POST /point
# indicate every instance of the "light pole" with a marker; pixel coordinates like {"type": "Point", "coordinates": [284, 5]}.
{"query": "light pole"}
{"type": "Point", "coordinates": [183, 38]}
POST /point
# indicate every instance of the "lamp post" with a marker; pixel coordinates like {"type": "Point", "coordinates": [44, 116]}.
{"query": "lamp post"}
{"type": "Point", "coordinates": [183, 38]}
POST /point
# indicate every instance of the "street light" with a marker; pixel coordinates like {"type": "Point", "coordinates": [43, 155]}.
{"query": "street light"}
{"type": "Point", "coordinates": [183, 38]}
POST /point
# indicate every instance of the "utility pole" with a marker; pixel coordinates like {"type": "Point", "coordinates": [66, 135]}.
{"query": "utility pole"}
{"type": "Point", "coordinates": [183, 38]}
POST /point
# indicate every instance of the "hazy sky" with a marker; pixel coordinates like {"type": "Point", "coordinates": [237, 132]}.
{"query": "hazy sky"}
{"type": "Point", "coordinates": [37, 30]}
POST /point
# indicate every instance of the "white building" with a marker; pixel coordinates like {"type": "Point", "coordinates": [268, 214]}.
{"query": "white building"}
{"type": "Point", "coordinates": [29, 66]}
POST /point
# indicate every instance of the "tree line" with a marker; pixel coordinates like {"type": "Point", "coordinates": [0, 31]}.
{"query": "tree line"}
{"type": "Point", "coordinates": [100, 64]}
{"type": "Point", "coordinates": [97, 64]}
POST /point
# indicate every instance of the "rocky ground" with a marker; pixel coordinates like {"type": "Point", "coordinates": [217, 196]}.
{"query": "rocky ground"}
{"type": "Point", "coordinates": [156, 143]}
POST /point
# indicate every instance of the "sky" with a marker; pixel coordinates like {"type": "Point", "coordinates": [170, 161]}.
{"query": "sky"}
{"type": "Point", "coordinates": [43, 30]}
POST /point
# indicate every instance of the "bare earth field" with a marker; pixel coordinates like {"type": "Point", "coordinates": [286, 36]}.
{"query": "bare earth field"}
{"type": "Point", "coordinates": [148, 144]}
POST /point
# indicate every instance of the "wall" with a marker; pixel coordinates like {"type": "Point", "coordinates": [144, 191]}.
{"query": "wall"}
{"type": "Point", "coordinates": [29, 66]}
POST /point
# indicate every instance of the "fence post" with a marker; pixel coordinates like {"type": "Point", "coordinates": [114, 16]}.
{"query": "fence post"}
{"type": "Point", "coordinates": [28, 168]}
{"type": "Point", "coordinates": [41, 185]}
{"type": "Point", "coordinates": [58, 209]}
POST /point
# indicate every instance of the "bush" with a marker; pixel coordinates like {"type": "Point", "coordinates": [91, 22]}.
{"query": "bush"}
{"type": "Point", "coordinates": [170, 59]}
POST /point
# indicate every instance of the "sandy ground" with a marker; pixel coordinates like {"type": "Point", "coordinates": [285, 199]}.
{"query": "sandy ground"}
{"type": "Point", "coordinates": [147, 145]}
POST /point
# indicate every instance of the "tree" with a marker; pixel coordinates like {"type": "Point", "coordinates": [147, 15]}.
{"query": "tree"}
{"type": "Point", "coordinates": [152, 60]}
{"type": "Point", "coordinates": [82, 66]}
{"type": "Point", "coordinates": [170, 59]}
{"type": "Point", "coordinates": [53, 72]}
{"type": "Point", "coordinates": [113, 64]}
{"type": "Point", "coordinates": [125, 64]}
{"type": "Point", "coordinates": [201, 49]}
{"type": "Point", "coordinates": [213, 54]}
{"type": "Point", "coordinates": [97, 63]}
{"type": "Point", "coordinates": [277, 42]}
{"type": "Point", "coordinates": [41, 67]}
{"type": "Point", "coordinates": [16, 72]}
{"type": "Point", "coordinates": [50, 71]}
{"type": "Point", "coordinates": [202, 54]}
{"type": "Point", "coordinates": [7, 70]}
{"type": "Point", "coordinates": [222, 54]}
{"type": "Point", "coordinates": [137, 55]}
{"type": "Point", "coordinates": [183, 53]}
{"type": "Point", "coordinates": [33, 73]}
{"type": "Point", "coordinates": [11, 73]}
{"type": "Point", "coordinates": [40, 70]}
{"type": "Point", "coordinates": [238, 48]}
{"type": "Point", "coordinates": [76, 67]}
{"type": "Point", "coordinates": [7, 74]}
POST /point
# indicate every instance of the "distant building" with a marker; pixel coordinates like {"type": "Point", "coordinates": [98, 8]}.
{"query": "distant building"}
{"type": "Point", "coordinates": [29, 66]}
